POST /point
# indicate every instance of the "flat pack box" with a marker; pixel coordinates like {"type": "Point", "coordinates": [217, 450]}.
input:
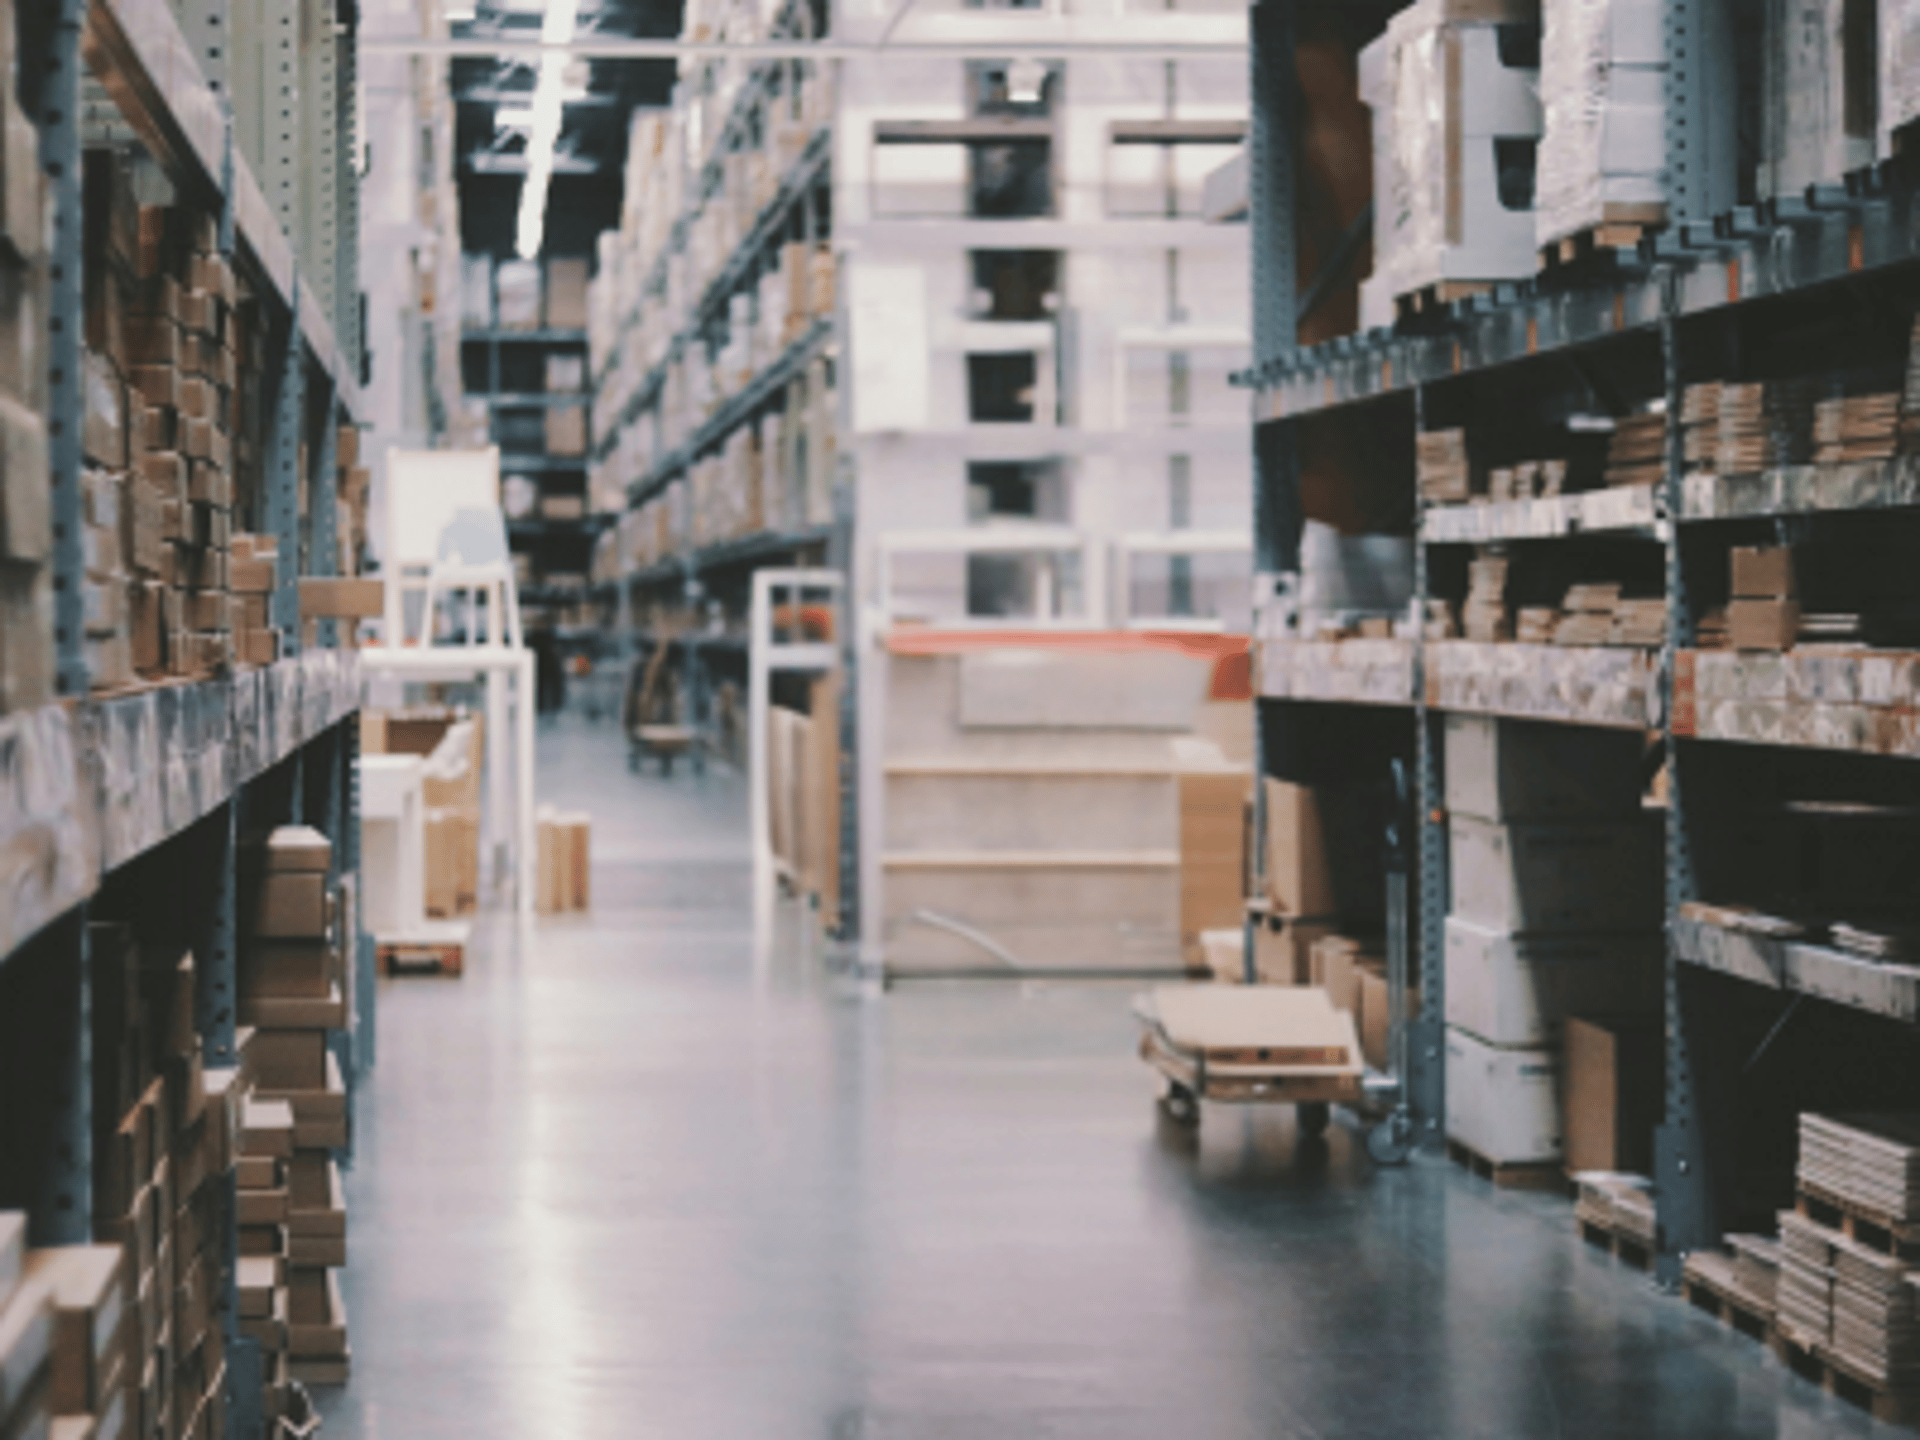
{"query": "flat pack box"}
{"type": "Point", "coordinates": [1503, 1104]}
{"type": "Point", "coordinates": [1614, 1077]}
{"type": "Point", "coordinates": [1519, 989]}
{"type": "Point", "coordinates": [1578, 875]}
{"type": "Point", "coordinates": [1298, 879]}
{"type": "Point", "coordinates": [298, 849]}
{"type": "Point", "coordinates": [452, 839]}
{"type": "Point", "coordinates": [1536, 770]}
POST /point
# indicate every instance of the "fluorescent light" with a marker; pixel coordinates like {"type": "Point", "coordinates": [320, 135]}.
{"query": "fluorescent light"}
{"type": "Point", "coordinates": [513, 117]}
{"type": "Point", "coordinates": [556, 28]}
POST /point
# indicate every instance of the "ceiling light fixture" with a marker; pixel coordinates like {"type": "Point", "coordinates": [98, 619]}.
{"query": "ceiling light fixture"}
{"type": "Point", "coordinates": [556, 28]}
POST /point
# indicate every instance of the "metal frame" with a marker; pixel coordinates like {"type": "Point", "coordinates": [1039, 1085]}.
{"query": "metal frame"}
{"type": "Point", "coordinates": [766, 653]}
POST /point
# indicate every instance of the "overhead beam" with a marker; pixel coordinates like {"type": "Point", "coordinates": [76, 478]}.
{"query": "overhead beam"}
{"type": "Point", "coordinates": [612, 48]}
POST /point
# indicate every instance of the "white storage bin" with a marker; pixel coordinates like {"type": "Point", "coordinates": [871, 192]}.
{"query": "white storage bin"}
{"type": "Point", "coordinates": [1538, 770]}
{"type": "Point", "coordinates": [1556, 875]}
{"type": "Point", "coordinates": [1511, 989]}
{"type": "Point", "coordinates": [1503, 1104]}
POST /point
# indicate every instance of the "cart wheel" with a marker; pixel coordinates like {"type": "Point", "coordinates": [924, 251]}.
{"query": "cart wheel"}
{"type": "Point", "coordinates": [1315, 1115]}
{"type": "Point", "coordinates": [1391, 1141]}
{"type": "Point", "coordinates": [1181, 1105]}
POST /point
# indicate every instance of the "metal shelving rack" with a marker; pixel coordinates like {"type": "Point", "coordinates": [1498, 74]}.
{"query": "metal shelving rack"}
{"type": "Point", "coordinates": [93, 788]}
{"type": "Point", "coordinates": [796, 210]}
{"type": "Point", "coordinates": [1683, 295]}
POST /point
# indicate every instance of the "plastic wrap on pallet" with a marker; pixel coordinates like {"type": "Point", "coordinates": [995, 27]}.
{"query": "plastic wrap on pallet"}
{"type": "Point", "coordinates": [1442, 96]}
{"type": "Point", "coordinates": [1602, 156]}
{"type": "Point", "coordinates": [1595, 685]}
{"type": "Point", "coordinates": [48, 853]}
{"type": "Point", "coordinates": [1899, 69]}
{"type": "Point", "coordinates": [1368, 672]}
{"type": "Point", "coordinates": [1806, 105]}
{"type": "Point", "coordinates": [1824, 699]}
{"type": "Point", "coordinates": [1343, 574]}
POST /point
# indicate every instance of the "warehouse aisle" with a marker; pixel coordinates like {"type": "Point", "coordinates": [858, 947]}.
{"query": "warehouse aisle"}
{"type": "Point", "coordinates": [622, 1185]}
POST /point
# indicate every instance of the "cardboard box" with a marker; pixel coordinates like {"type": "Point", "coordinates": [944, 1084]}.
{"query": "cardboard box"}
{"type": "Point", "coordinates": [341, 598]}
{"type": "Point", "coordinates": [26, 497]}
{"type": "Point", "coordinates": [566, 307]}
{"type": "Point", "coordinates": [289, 969]}
{"type": "Point", "coordinates": [1614, 1078]}
{"type": "Point", "coordinates": [1296, 872]}
{"type": "Point", "coordinates": [1763, 572]}
{"type": "Point", "coordinates": [1503, 1104]}
{"type": "Point", "coordinates": [283, 1060]}
{"type": "Point", "coordinates": [290, 1012]}
{"type": "Point", "coordinates": [292, 905]}
{"type": "Point", "coordinates": [1283, 949]}
{"type": "Point", "coordinates": [566, 430]}
{"type": "Point", "coordinates": [1516, 989]}
{"type": "Point", "coordinates": [298, 849]}
{"type": "Point", "coordinates": [1769, 625]}
{"type": "Point", "coordinates": [452, 862]}
{"type": "Point", "coordinates": [562, 880]}
{"type": "Point", "coordinates": [1374, 1015]}
{"type": "Point", "coordinates": [1335, 962]}
{"type": "Point", "coordinates": [316, 1200]}
{"type": "Point", "coordinates": [1536, 770]}
{"type": "Point", "coordinates": [88, 1285]}
{"type": "Point", "coordinates": [1579, 875]}
{"type": "Point", "coordinates": [1212, 864]}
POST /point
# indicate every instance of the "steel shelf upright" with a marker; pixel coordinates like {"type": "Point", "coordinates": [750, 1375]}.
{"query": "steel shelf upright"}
{"type": "Point", "coordinates": [1278, 520]}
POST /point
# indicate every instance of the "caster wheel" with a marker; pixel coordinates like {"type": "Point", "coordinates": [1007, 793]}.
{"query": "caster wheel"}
{"type": "Point", "coordinates": [1390, 1142]}
{"type": "Point", "coordinates": [1315, 1116]}
{"type": "Point", "coordinates": [1182, 1107]}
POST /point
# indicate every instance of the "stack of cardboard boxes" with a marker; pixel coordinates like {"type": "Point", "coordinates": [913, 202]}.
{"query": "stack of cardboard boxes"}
{"type": "Point", "coordinates": [293, 992]}
{"type": "Point", "coordinates": [1556, 913]}
{"type": "Point", "coordinates": [564, 864]}
{"type": "Point", "coordinates": [65, 1331]}
{"type": "Point", "coordinates": [165, 1140]}
{"type": "Point", "coordinates": [161, 370]}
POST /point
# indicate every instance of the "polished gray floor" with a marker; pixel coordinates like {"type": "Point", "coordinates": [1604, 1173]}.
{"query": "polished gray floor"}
{"type": "Point", "coordinates": [621, 1182]}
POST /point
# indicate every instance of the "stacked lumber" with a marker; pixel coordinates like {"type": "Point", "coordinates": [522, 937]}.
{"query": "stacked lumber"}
{"type": "Point", "coordinates": [1528, 480]}
{"type": "Point", "coordinates": [1804, 1296]}
{"type": "Point", "coordinates": [1909, 424]}
{"type": "Point", "coordinates": [1868, 1161]}
{"type": "Point", "coordinates": [1852, 428]}
{"type": "Point", "coordinates": [1484, 615]}
{"type": "Point", "coordinates": [1875, 1325]}
{"type": "Point", "coordinates": [1764, 425]}
{"type": "Point", "coordinates": [1443, 469]}
{"type": "Point", "coordinates": [1637, 451]}
{"type": "Point", "coordinates": [1700, 427]}
{"type": "Point", "coordinates": [1756, 1266]}
{"type": "Point", "coordinates": [1589, 614]}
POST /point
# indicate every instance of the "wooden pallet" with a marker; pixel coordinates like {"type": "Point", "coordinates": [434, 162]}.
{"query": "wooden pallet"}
{"type": "Point", "coordinates": [1707, 1283]}
{"type": "Point", "coordinates": [1584, 247]}
{"type": "Point", "coordinates": [1628, 1248]}
{"type": "Point", "coordinates": [1507, 1175]}
{"type": "Point", "coordinates": [1845, 1381]}
{"type": "Point", "coordinates": [1884, 1233]}
{"type": "Point", "coordinates": [422, 957]}
{"type": "Point", "coordinates": [1429, 299]}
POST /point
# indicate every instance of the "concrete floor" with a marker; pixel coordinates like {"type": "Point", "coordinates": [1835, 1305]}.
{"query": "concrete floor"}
{"type": "Point", "coordinates": [620, 1182]}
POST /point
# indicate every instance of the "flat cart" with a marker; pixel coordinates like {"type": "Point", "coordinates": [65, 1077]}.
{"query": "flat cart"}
{"type": "Point", "coordinates": [1251, 1045]}
{"type": "Point", "coordinates": [664, 743]}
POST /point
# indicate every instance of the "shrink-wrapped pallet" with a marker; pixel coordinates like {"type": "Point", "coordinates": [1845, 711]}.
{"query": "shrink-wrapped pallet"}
{"type": "Point", "coordinates": [1455, 119]}
{"type": "Point", "coordinates": [1603, 147]}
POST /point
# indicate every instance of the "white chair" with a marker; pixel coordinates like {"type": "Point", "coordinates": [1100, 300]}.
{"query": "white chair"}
{"type": "Point", "coordinates": [473, 562]}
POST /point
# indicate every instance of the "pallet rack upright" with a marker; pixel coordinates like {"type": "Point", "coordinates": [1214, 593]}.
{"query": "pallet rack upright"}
{"type": "Point", "coordinates": [1754, 1028]}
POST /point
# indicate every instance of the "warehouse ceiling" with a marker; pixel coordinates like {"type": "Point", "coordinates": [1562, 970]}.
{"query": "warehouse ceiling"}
{"type": "Point", "coordinates": [585, 194]}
